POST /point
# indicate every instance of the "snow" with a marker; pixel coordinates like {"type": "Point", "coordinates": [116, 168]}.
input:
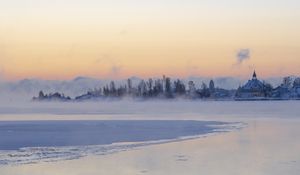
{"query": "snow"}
{"type": "Point", "coordinates": [253, 84]}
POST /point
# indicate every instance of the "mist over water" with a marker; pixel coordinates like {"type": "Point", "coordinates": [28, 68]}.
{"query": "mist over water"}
{"type": "Point", "coordinates": [155, 109]}
{"type": "Point", "coordinates": [24, 90]}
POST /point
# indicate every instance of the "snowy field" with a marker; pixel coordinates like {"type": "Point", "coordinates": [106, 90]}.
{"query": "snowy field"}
{"type": "Point", "coordinates": [187, 137]}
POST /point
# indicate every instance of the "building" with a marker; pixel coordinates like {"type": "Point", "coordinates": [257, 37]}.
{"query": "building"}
{"type": "Point", "coordinates": [287, 90]}
{"type": "Point", "coordinates": [254, 88]}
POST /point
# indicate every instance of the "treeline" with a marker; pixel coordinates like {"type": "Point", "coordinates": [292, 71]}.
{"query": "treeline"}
{"type": "Point", "coordinates": [163, 88]}
{"type": "Point", "coordinates": [152, 88]}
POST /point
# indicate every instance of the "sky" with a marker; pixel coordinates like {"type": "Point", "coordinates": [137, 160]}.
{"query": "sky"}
{"type": "Point", "coordinates": [63, 39]}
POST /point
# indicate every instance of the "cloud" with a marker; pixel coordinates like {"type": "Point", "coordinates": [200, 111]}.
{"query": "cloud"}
{"type": "Point", "coordinates": [243, 55]}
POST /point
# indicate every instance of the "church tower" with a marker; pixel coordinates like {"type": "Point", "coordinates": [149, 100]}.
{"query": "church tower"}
{"type": "Point", "coordinates": [254, 75]}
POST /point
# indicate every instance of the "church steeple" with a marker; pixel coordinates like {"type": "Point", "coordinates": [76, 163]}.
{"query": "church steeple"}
{"type": "Point", "coordinates": [254, 75]}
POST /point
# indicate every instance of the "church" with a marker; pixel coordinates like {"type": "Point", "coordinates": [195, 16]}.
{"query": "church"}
{"type": "Point", "coordinates": [254, 88]}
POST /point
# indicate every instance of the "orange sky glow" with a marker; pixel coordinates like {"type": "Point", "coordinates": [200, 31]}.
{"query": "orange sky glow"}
{"type": "Point", "coordinates": [65, 39]}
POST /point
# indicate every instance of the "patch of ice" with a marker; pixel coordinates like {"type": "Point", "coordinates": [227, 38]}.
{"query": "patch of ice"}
{"type": "Point", "coordinates": [31, 155]}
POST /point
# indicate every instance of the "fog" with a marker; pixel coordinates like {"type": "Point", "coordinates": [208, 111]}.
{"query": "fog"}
{"type": "Point", "coordinates": [156, 109]}
{"type": "Point", "coordinates": [24, 90]}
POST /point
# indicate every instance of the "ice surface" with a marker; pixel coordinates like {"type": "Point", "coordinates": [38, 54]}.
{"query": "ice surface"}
{"type": "Point", "coordinates": [268, 145]}
{"type": "Point", "coordinates": [34, 141]}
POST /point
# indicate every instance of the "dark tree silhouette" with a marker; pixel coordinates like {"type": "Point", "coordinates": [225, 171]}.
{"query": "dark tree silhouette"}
{"type": "Point", "coordinates": [212, 86]}
{"type": "Point", "coordinates": [168, 88]}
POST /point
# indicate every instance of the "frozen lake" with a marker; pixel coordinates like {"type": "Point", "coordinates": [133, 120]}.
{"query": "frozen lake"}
{"type": "Point", "coordinates": [36, 141]}
{"type": "Point", "coordinates": [20, 134]}
{"type": "Point", "coordinates": [268, 144]}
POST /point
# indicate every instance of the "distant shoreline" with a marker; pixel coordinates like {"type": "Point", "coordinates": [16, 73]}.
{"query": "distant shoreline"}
{"type": "Point", "coordinates": [165, 88]}
{"type": "Point", "coordinates": [110, 99]}
{"type": "Point", "coordinates": [265, 99]}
